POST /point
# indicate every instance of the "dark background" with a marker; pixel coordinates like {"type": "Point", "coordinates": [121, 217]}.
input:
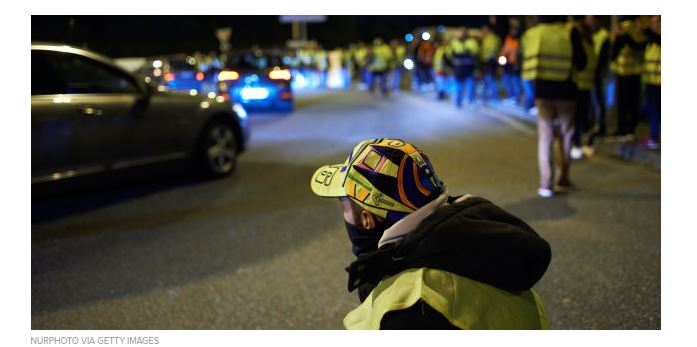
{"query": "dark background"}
{"type": "Point", "coordinates": [122, 36]}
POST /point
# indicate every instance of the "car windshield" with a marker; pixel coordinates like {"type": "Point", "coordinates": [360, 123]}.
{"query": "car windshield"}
{"type": "Point", "coordinates": [180, 65]}
{"type": "Point", "coordinates": [255, 61]}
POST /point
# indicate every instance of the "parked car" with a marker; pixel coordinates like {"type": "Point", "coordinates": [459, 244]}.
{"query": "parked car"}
{"type": "Point", "coordinates": [90, 116]}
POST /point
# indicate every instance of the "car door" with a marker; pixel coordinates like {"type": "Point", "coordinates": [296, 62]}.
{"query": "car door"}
{"type": "Point", "coordinates": [54, 147]}
{"type": "Point", "coordinates": [101, 101]}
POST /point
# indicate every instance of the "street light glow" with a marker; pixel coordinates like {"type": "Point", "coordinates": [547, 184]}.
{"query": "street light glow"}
{"type": "Point", "coordinates": [408, 64]}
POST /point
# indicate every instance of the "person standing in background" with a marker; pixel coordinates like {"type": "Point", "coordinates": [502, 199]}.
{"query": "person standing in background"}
{"type": "Point", "coordinates": [321, 65]}
{"type": "Point", "coordinates": [551, 52]}
{"type": "Point", "coordinates": [424, 63]}
{"type": "Point", "coordinates": [627, 56]}
{"type": "Point", "coordinates": [399, 51]}
{"type": "Point", "coordinates": [528, 85]}
{"type": "Point", "coordinates": [510, 59]}
{"type": "Point", "coordinates": [584, 82]}
{"type": "Point", "coordinates": [360, 57]}
{"type": "Point", "coordinates": [440, 70]}
{"type": "Point", "coordinates": [491, 45]}
{"type": "Point", "coordinates": [601, 48]}
{"type": "Point", "coordinates": [652, 80]}
{"type": "Point", "coordinates": [380, 63]}
{"type": "Point", "coordinates": [461, 55]}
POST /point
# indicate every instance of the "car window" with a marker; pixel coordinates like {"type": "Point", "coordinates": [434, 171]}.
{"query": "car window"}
{"type": "Point", "coordinates": [181, 65]}
{"type": "Point", "coordinates": [254, 61]}
{"type": "Point", "coordinates": [82, 75]}
{"type": "Point", "coordinates": [44, 80]}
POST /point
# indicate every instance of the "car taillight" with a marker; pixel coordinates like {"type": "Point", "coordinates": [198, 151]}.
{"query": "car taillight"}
{"type": "Point", "coordinates": [169, 76]}
{"type": "Point", "coordinates": [228, 75]}
{"type": "Point", "coordinates": [278, 74]}
{"type": "Point", "coordinates": [200, 76]}
{"type": "Point", "coordinates": [286, 95]}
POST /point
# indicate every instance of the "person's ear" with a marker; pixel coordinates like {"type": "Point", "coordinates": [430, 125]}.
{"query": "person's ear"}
{"type": "Point", "coordinates": [368, 220]}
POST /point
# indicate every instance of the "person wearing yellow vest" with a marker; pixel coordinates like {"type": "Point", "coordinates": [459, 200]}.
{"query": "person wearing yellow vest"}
{"type": "Point", "coordinates": [321, 61]}
{"type": "Point", "coordinates": [360, 57]}
{"type": "Point", "coordinates": [584, 82]}
{"type": "Point", "coordinates": [627, 56]}
{"type": "Point", "coordinates": [491, 45]}
{"type": "Point", "coordinates": [509, 58]}
{"type": "Point", "coordinates": [380, 62]}
{"type": "Point", "coordinates": [601, 48]}
{"type": "Point", "coordinates": [426, 260]}
{"type": "Point", "coordinates": [550, 53]}
{"type": "Point", "coordinates": [399, 51]}
{"type": "Point", "coordinates": [440, 69]}
{"type": "Point", "coordinates": [461, 55]}
{"type": "Point", "coordinates": [652, 81]}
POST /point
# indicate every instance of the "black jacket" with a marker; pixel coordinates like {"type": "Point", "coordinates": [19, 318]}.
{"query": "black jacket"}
{"type": "Point", "coordinates": [473, 238]}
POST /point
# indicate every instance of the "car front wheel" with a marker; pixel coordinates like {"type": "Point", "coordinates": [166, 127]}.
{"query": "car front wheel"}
{"type": "Point", "coordinates": [218, 149]}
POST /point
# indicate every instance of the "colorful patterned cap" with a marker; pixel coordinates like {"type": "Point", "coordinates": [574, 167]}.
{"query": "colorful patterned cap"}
{"type": "Point", "coordinates": [388, 177]}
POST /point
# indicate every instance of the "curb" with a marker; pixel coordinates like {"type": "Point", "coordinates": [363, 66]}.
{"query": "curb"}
{"type": "Point", "coordinates": [627, 151]}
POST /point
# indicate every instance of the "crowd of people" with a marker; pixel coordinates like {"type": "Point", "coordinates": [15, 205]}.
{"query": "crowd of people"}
{"type": "Point", "coordinates": [472, 66]}
{"type": "Point", "coordinates": [564, 82]}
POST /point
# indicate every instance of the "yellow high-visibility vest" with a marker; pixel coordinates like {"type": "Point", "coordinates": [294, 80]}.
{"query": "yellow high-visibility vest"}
{"type": "Point", "coordinates": [584, 79]}
{"type": "Point", "coordinates": [629, 61]}
{"type": "Point", "coordinates": [547, 52]}
{"type": "Point", "coordinates": [599, 37]}
{"type": "Point", "coordinates": [438, 58]}
{"type": "Point", "coordinates": [465, 303]}
{"type": "Point", "coordinates": [457, 46]}
{"type": "Point", "coordinates": [382, 58]}
{"type": "Point", "coordinates": [491, 45]}
{"type": "Point", "coordinates": [652, 64]}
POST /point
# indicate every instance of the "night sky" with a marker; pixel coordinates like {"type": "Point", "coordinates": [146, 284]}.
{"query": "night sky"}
{"type": "Point", "coordinates": [121, 36]}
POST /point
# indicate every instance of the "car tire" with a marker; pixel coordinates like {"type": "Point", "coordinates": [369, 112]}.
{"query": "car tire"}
{"type": "Point", "coordinates": [217, 149]}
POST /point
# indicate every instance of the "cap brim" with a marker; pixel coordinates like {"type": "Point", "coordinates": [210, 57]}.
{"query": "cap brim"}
{"type": "Point", "coordinates": [328, 180]}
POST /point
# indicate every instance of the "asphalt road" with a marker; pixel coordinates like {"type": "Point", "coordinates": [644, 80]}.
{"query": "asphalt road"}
{"type": "Point", "coordinates": [259, 251]}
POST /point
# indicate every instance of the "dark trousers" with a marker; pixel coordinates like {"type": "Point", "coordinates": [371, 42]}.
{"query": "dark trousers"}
{"type": "Point", "coordinates": [582, 120]}
{"type": "Point", "coordinates": [599, 90]}
{"type": "Point", "coordinates": [380, 77]}
{"type": "Point", "coordinates": [628, 102]}
{"type": "Point", "coordinates": [653, 108]}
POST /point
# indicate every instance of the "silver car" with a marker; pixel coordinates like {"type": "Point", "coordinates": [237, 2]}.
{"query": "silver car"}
{"type": "Point", "coordinates": [90, 116]}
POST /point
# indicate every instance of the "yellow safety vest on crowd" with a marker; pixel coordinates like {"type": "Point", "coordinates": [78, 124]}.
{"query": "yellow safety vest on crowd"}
{"type": "Point", "coordinates": [629, 60]}
{"type": "Point", "coordinates": [652, 64]}
{"type": "Point", "coordinates": [382, 58]}
{"type": "Point", "coordinates": [457, 46]}
{"type": "Point", "coordinates": [584, 79]}
{"type": "Point", "coordinates": [438, 65]}
{"type": "Point", "coordinates": [599, 38]}
{"type": "Point", "coordinates": [491, 45]}
{"type": "Point", "coordinates": [547, 52]}
{"type": "Point", "coordinates": [361, 55]}
{"type": "Point", "coordinates": [321, 62]}
{"type": "Point", "coordinates": [465, 303]}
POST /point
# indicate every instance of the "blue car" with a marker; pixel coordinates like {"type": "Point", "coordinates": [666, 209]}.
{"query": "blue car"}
{"type": "Point", "coordinates": [258, 82]}
{"type": "Point", "coordinates": [181, 74]}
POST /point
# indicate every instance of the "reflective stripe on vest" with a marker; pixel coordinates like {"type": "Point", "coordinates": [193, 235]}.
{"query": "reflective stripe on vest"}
{"type": "Point", "coordinates": [584, 79]}
{"type": "Point", "coordinates": [547, 53]}
{"type": "Point", "coordinates": [628, 62]}
{"type": "Point", "coordinates": [652, 64]}
{"type": "Point", "coordinates": [465, 303]}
